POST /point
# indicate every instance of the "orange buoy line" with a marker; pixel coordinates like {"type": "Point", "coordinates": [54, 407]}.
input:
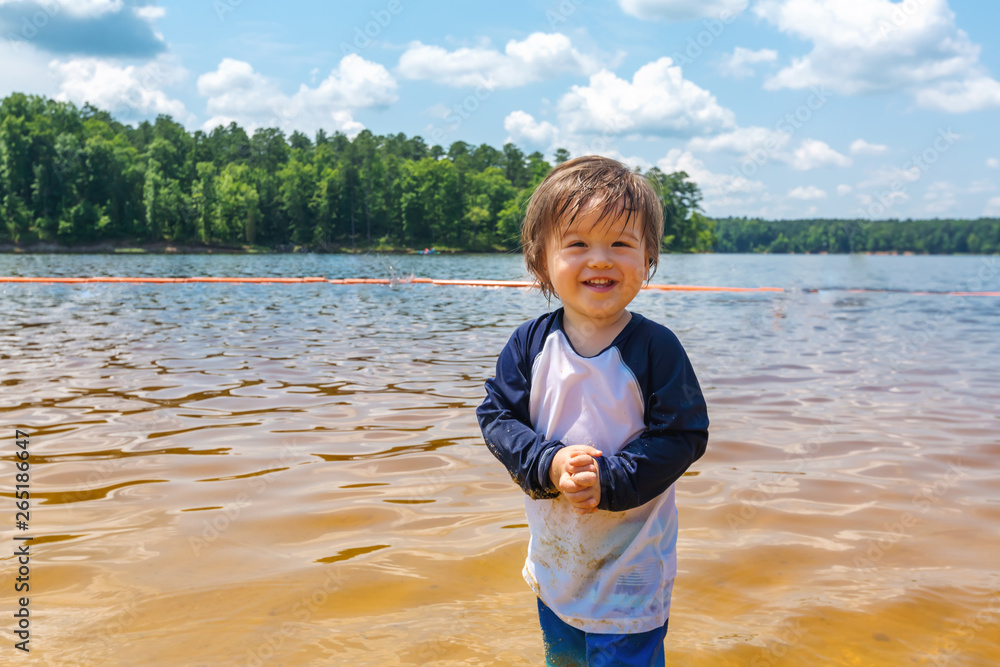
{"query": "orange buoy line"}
{"type": "Point", "coordinates": [130, 279]}
{"type": "Point", "coordinates": [710, 288]}
{"type": "Point", "coordinates": [353, 281]}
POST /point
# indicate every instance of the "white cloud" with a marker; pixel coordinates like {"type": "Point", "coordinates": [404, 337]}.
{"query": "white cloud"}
{"type": "Point", "coordinates": [236, 92]}
{"type": "Point", "coordinates": [813, 153]}
{"type": "Point", "coordinates": [862, 147]}
{"type": "Point", "coordinates": [355, 83]}
{"type": "Point", "coordinates": [992, 209]}
{"type": "Point", "coordinates": [843, 189]}
{"type": "Point", "coordinates": [889, 176]}
{"type": "Point", "coordinates": [743, 141]}
{"type": "Point", "coordinates": [682, 10]}
{"type": "Point", "coordinates": [982, 185]}
{"type": "Point", "coordinates": [540, 56]}
{"type": "Point", "coordinates": [761, 144]}
{"type": "Point", "coordinates": [884, 199]}
{"type": "Point", "coordinates": [525, 130]}
{"type": "Point", "coordinates": [150, 12]}
{"type": "Point", "coordinates": [977, 91]}
{"type": "Point", "coordinates": [129, 93]}
{"type": "Point", "coordinates": [862, 46]}
{"type": "Point", "coordinates": [32, 72]}
{"type": "Point", "coordinates": [658, 101]}
{"type": "Point", "coordinates": [993, 163]}
{"type": "Point", "coordinates": [234, 84]}
{"type": "Point", "coordinates": [593, 118]}
{"type": "Point", "coordinates": [807, 192]}
{"type": "Point", "coordinates": [940, 197]}
{"type": "Point", "coordinates": [713, 185]}
{"type": "Point", "coordinates": [738, 63]}
{"type": "Point", "coordinates": [94, 7]}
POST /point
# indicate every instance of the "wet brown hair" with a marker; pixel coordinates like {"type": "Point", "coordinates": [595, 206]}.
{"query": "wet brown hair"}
{"type": "Point", "coordinates": [581, 183]}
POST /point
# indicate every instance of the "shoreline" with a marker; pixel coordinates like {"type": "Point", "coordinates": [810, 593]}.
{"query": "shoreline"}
{"type": "Point", "coordinates": [165, 248]}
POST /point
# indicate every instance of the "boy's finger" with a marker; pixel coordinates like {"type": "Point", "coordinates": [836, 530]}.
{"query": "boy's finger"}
{"type": "Point", "coordinates": [585, 507]}
{"type": "Point", "coordinates": [584, 449]}
{"type": "Point", "coordinates": [568, 485]}
{"type": "Point", "coordinates": [584, 498]}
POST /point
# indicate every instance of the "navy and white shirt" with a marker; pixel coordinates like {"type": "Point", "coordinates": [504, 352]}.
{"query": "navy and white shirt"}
{"type": "Point", "coordinates": [638, 401]}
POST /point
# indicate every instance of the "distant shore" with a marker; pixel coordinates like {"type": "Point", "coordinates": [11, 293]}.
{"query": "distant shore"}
{"type": "Point", "coordinates": [167, 248]}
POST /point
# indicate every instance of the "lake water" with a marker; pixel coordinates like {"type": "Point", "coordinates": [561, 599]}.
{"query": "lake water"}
{"type": "Point", "coordinates": [293, 474]}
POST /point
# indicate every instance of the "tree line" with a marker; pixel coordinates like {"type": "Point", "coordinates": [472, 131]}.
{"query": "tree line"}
{"type": "Point", "coordinates": [750, 235]}
{"type": "Point", "coordinates": [77, 176]}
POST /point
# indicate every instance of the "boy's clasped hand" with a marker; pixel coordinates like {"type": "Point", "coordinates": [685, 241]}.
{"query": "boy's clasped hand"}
{"type": "Point", "coordinates": [575, 474]}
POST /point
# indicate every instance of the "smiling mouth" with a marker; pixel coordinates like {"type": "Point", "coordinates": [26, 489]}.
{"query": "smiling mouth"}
{"type": "Point", "coordinates": [599, 282]}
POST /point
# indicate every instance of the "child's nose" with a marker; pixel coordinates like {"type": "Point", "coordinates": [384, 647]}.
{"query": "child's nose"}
{"type": "Point", "coordinates": [599, 257]}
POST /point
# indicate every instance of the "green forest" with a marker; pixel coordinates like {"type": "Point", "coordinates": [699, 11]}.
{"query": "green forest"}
{"type": "Point", "coordinates": [842, 236]}
{"type": "Point", "coordinates": [75, 176]}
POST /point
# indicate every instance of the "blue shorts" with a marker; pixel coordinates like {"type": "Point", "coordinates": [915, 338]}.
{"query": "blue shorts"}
{"type": "Point", "coordinates": [565, 646]}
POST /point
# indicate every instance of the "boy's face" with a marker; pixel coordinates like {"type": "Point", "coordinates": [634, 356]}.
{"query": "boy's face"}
{"type": "Point", "coordinates": [597, 268]}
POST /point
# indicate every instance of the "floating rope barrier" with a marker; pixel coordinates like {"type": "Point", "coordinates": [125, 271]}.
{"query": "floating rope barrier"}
{"type": "Point", "coordinates": [433, 281]}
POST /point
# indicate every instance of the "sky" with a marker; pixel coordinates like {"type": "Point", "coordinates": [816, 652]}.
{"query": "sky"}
{"type": "Point", "coordinates": [775, 108]}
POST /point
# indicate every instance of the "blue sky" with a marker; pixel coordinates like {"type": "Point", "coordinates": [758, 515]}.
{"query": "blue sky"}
{"type": "Point", "coordinates": [776, 108]}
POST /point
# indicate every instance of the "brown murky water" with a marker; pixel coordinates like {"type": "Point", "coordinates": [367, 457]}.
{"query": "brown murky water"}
{"type": "Point", "coordinates": [293, 474]}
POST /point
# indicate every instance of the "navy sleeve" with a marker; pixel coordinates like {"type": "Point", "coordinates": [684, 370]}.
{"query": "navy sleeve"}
{"type": "Point", "coordinates": [676, 431]}
{"type": "Point", "coordinates": [505, 420]}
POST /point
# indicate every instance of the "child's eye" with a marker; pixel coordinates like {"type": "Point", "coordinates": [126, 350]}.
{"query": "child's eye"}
{"type": "Point", "coordinates": [577, 244]}
{"type": "Point", "coordinates": [621, 243]}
